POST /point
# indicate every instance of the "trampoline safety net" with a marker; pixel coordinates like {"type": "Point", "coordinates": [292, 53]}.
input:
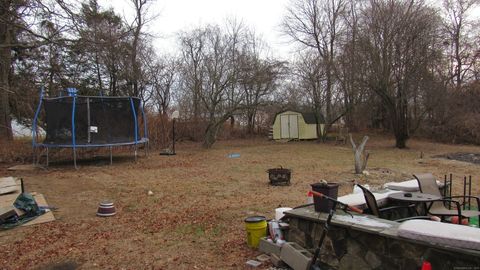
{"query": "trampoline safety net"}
{"type": "Point", "coordinates": [97, 120]}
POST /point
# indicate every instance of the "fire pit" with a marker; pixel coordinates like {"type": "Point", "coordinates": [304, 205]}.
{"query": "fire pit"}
{"type": "Point", "coordinates": [279, 176]}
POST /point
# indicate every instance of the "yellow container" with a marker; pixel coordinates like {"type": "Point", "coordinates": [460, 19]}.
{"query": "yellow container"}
{"type": "Point", "coordinates": [256, 227]}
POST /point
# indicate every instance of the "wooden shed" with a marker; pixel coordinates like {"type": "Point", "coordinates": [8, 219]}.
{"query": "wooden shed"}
{"type": "Point", "coordinates": [296, 125]}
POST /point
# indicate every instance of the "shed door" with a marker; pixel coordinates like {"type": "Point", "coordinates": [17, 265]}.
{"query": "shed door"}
{"type": "Point", "coordinates": [293, 123]}
{"type": "Point", "coordinates": [284, 127]}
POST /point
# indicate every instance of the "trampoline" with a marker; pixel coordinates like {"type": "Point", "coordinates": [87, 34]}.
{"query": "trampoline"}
{"type": "Point", "coordinates": [77, 122]}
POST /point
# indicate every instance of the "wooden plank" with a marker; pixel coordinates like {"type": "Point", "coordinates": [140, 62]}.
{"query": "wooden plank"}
{"type": "Point", "coordinates": [7, 200]}
{"type": "Point", "coordinates": [25, 167]}
{"type": "Point", "coordinates": [9, 185]}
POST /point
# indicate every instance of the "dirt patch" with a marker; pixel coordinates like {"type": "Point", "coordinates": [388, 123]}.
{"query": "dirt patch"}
{"type": "Point", "coordinates": [195, 217]}
{"type": "Point", "coordinates": [465, 157]}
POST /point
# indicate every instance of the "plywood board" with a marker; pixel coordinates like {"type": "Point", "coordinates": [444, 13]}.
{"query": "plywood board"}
{"type": "Point", "coordinates": [9, 185]}
{"type": "Point", "coordinates": [25, 167]}
{"type": "Point", "coordinates": [8, 200]}
{"type": "Point", "coordinates": [47, 217]}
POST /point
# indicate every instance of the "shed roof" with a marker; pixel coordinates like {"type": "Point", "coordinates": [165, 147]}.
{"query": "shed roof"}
{"type": "Point", "coordinates": [309, 117]}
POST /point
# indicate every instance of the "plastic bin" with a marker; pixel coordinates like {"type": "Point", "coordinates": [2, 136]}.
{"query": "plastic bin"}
{"type": "Point", "coordinates": [256, 227]}
{"type": "Point", "coordinates": [330, 190]}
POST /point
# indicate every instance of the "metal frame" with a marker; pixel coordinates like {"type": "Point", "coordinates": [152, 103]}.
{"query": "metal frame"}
{"type": "Point", "coordinates": [35, 145]}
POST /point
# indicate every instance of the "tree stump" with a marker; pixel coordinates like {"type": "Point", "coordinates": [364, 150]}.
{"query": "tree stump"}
{"type": "Point", "coordinates": [361, 156]}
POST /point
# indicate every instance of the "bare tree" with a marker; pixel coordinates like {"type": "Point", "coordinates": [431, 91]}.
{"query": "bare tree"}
{"type": "Point", "coordinates": [318, 25]}
{"type": "Point", "coordinates": [209, 60]}
{"type": "Point", "coordinates": [141, 19]}
{"type": "Point", "coordinates": [257, 77]}
{"type": "Point", "coordinates": [463, 52]}
{"type": "Point", "coordinates": [349, 65]}
{"type": "Point", "coordinates": [398, 49]}
{"type": "Point", "coordinates": [192, 45]}
{"type": "Point", "coordinates": [162, 74]}
{"type": "Point", "coordinates": [310, 73]}
{"type": "Point", "coordinates": [19, 32]}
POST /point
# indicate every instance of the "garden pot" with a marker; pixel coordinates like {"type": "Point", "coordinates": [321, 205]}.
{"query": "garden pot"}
{"type": "Point", "coordinates": [106, 209]}
{"type": "Point", "coordinates": [330, 190]}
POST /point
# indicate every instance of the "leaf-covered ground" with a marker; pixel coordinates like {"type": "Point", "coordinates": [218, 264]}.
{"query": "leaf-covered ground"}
{"type": "Point", "coordinates": [194, 219]}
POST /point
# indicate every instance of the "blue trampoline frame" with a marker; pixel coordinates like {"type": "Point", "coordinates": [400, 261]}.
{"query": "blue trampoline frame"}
{"type": "Point", "coordinates": [142, 141]}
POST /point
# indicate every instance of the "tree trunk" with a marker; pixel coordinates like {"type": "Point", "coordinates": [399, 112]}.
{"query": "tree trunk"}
{"type": "Point", "coordinates": [250, 122]}
{"type": "Point", "coordinates": [210, 135]}
{"type": "Point", "coordinates": [400, 126]}
{"type": "Point", "coordinates": [401, 136]}
{"type": "Point", "coordinates": [5, 120]}
{"type": "Point", "coordinates": [232, 122]}
{"type": "Point", "coordinates": [5, 61]}
{"type": "Point", "coordinates": [361, 157]}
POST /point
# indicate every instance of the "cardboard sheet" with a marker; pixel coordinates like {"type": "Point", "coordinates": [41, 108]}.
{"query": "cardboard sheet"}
{"type": "Point", "coordinates": [7, 200]}
{"type": "Point", "coordinates": [47, 217]}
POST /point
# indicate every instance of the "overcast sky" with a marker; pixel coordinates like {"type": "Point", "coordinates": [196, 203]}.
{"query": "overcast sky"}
{"type": "Point", "coordinates": [264, 16]}
{"type": "Point", "coordinates": [174, 15]}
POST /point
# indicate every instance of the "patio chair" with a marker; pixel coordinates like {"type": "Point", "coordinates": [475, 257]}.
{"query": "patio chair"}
{"type": "Point", "coordinates": [428, 184]}
{"type": "Point", "coordinates": [382, 212]}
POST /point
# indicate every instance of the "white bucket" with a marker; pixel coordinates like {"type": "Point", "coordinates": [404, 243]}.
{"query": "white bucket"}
{"type": "Point", "coordinates": [279, 212]}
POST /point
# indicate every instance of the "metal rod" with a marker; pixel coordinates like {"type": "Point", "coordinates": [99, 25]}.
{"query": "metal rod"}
{"type": "Point", "coordinates": [464, 191]}
{"type": "Point", "coordinates": [135, 128]}
{"type": "Point", "coordinates": [111, 158]}
{"type": "Point", "coordinates": [89, 139]}
{"type": "Point", "coordinates": [74, 101]}
{"type": "Point", "coordinates": [451, 186]}
{"type": "Point", "coordinates": [445, 186]}
{"type": "Point", "coordinates": [326, 227]}
{"type": "Point", "coordinates": [75, 157]}
{"type": "Point", "coordinates": [98, 97]}
{"type": "Point", "coordinates": [145, 129]}
{"type": "Point", "coordinates": [34, 155]}
{"type": "Point", "coordinates": [135, 152]}
{"type": "Point", "coordinates": [173, 146]}
{"type": "Point", "coordinates": [469, 190]}
{"type": "Point", "coordinates": [35, 119]}
{"type": "Point", "coordinates": [47, 157]}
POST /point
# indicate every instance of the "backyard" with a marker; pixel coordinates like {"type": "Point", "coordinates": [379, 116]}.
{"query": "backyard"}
{"type": "Point", "coordinates": [194, 218]}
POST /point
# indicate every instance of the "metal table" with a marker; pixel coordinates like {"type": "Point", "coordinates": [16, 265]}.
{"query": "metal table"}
{"type": "Point", "coordinates": [417, 198]}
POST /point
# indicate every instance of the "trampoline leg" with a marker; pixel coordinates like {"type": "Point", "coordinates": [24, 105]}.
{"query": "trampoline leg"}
{"type": "Point", "coordinates": [34, 156]}
{"type": "Point", "coordinates": [75, 158]}
{"type": "Point", "coordinates": [47, 157]}
{"type": "Point", "coordinates": [135, 152]}
{"type": "Point", "coordinates": [111, 158]}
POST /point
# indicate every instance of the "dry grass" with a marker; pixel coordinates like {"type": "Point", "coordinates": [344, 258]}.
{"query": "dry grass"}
{"type": "Point", "coordinates": [16, 151]}
{"type": "Point", "coordinates": [194, 220]}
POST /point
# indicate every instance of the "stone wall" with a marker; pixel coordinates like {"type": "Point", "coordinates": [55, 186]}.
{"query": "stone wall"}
{"type": "Point", "coordinates": [353, 246]}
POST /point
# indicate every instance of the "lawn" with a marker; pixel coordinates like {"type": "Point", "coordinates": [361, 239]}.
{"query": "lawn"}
{"type": "Point", "coordinates": [194, 219]}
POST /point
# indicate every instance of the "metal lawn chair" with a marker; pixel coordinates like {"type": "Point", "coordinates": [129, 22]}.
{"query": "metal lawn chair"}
{"type": "Point", "coordinates": [382, 212]}
{"type": "Point", "coordinates": [428, 184]}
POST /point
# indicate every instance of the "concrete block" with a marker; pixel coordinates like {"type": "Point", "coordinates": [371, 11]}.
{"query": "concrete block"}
{"type": "Point", "coordinates": [253, 263]}
{"type": "Point", "coordinates": [277, 262]}
{"type": "Point", "coordinates": [268, 247]}
{"type": "Point", "coordinates": [263, 258]}
{"type": "Point", "coordinates": [295, 256]}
